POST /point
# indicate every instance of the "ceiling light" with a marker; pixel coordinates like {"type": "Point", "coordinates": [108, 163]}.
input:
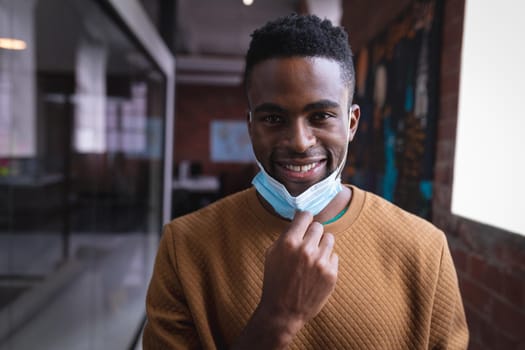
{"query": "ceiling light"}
{"type": "Point", "coordinates": [247, 2]}
{"type": "Point", "coordinates": [12, 44]}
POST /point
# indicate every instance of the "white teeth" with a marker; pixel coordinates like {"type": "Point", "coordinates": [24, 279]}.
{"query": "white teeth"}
{"type": "Point", "coordinates": [300, 168]}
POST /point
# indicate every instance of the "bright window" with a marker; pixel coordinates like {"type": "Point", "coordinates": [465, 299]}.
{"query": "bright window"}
{"type": "Point", "coordinates": [489, 171]}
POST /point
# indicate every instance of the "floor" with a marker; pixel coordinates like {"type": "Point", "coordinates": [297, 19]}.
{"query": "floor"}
{"type": "Point", "coordinates": [94, 301]}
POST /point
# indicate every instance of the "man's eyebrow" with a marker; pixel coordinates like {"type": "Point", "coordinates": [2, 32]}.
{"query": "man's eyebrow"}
{"type": "Point", "coordinates": [275, 108]}
{"type": "Point", "coordinates": [322, 104]}
{"type": "Point", "coordinates": [269, 108]}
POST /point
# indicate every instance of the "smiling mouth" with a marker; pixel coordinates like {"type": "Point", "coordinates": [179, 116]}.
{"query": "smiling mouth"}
{"type": "Point", "coordinates": [301, 168]}
{"type": "Point", "coordinates": [297, 175]}
{"type": "Point", "coordinates": [301, 171]}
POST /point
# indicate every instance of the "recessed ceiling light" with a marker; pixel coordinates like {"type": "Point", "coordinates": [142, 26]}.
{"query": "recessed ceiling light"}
{"type": "Point", "coordinates": [247, 2]}
{"type": "Point", "coordinates": [12, 44]}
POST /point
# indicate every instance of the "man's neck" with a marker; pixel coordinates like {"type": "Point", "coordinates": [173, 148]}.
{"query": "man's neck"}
{"type": "Point", "coordinates": [339, 203]}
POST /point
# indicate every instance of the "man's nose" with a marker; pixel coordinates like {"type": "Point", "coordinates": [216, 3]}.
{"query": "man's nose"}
{"type": "Point", "coordinates": [300, 137]}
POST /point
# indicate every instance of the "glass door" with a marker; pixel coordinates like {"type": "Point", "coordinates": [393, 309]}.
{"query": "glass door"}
{"type": "Point", "coordinates": [82, 123]}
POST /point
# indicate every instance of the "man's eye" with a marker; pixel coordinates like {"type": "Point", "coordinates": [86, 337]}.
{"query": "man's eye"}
{"type": "Point", "coordinates": [272, 119]}
{"type": "Point", "coordinates": [321, 116]}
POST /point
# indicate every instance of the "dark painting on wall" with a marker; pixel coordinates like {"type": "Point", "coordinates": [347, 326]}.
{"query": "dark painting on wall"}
{"type": "Point", "coordinates": [397, 76]}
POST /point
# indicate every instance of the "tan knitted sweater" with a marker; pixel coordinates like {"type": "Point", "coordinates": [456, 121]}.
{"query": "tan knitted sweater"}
{"type": "Point", "coordinates": [396, 289]}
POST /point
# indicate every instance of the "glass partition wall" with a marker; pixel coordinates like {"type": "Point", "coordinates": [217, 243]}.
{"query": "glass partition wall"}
{"type": "Point", "coordinates": [82, 122]}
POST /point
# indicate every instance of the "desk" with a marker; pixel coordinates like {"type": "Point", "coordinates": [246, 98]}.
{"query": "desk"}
{"type": "Point", "coordinates": [193, 193]}
{"type": "Point", "coordinates": [31, 181]}
{"type": "Point", "coordinates": [198, 184]}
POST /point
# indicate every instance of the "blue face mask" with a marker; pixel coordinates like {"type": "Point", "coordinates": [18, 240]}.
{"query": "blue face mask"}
{"type": "Point", "coordinates": [313, 200]}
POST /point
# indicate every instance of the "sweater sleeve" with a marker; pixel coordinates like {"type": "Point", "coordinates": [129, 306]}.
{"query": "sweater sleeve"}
{"type": "Point", "coordinates": [448, 329]}
{"type": "Point", "coordinates": [169, 322]}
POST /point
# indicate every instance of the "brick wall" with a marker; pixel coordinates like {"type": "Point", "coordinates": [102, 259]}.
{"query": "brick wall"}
{"type": "Point", "coordinates": [364, 19]}
{"type": "Point", "coordinates": [196, 107]}
{"type": "Point", "coordinates": [490, 262]}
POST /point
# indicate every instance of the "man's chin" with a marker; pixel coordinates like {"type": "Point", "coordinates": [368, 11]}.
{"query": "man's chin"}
{"type": "Point", "coordinates": [296, 189]}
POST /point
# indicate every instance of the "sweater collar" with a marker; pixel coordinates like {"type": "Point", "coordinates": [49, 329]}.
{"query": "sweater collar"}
{"type": "Point", "coordinates": [278, 224]}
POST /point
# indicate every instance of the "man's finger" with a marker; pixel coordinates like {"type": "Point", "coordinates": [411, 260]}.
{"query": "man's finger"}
{"type": "Point", "coordinates": [334, 263]}
{"type": "Point", "coordinates": [313, 235]}
{"type": "Point", "coordinates": [326, 245]}
{"type": "Point", "coordinates": [299, 225]}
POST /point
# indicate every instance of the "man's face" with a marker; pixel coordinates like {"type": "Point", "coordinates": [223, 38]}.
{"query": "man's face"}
{"type": "Point", "coordinates": [300, 119]}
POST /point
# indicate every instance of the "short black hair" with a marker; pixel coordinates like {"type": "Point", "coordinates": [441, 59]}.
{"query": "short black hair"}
{"type": "Point", "coordinates": [303, 36]}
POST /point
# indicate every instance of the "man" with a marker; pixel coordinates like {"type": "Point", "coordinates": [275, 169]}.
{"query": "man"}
{"type": "Point", "coordinates": [300, 261]}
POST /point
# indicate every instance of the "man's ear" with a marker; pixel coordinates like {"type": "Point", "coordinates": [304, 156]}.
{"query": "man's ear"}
{"type": "Point", "coordinates": [355, 114]}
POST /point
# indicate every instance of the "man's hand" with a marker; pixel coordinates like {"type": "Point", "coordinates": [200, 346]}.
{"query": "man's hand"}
{"type": "Point", "coordinates": [300, 273]}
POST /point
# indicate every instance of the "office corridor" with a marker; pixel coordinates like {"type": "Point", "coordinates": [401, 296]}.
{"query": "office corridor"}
{"type": "Point", "coordinates": [95, 301]}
